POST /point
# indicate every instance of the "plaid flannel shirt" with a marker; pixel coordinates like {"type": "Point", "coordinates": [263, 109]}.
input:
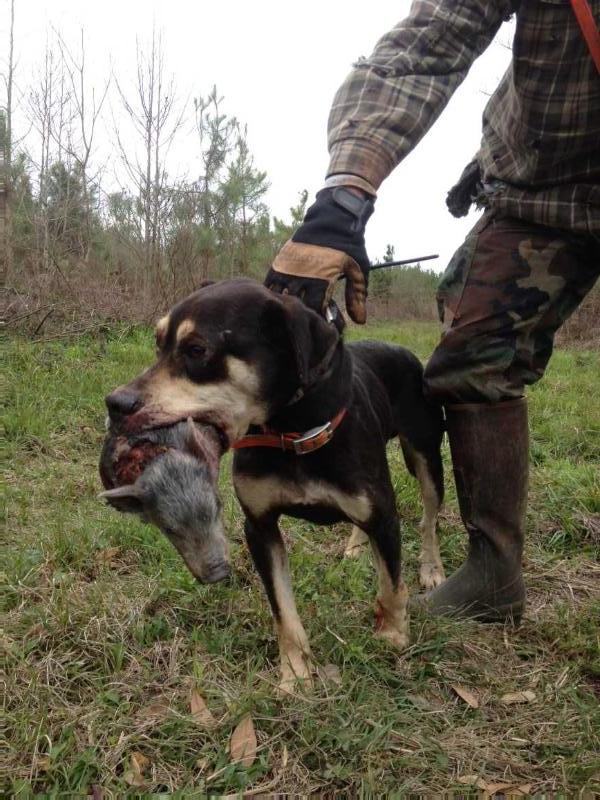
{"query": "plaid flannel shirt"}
{"type": "Point", "coordinates": [540, 150]}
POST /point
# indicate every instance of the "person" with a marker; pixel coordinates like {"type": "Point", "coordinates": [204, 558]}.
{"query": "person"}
{"type": "Point", "coordinates": [523, 269]}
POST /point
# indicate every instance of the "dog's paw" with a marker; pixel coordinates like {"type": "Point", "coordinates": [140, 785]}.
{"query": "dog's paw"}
{"type": "Point", "coordinates": [397, 639]}
{"type": "Point", "coordinates": [353, 551]}
{"type": "Point", "coordinates": [356, 542]}
{"type": "Point", "coordinates": [291, 684]}
{"type": "Point", "coordinates": [296, 676]}
{"type": "Point", "coordinates": [431, 575]}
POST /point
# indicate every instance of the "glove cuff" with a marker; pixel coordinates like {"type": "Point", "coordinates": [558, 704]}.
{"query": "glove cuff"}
{"type": "Point", "coordinates": [337, 220]}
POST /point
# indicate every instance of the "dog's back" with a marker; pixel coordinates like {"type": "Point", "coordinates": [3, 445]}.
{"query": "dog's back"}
{"type": "Point", "coordinates": [400, 373]}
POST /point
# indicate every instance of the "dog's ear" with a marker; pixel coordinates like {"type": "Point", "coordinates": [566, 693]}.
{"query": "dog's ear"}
{"type": "Point", "coordinates": [128, 499]}
{"type": "Point", "coordinates": [160, 331]}
{"type": "Point", "coordinates": [311, 339]}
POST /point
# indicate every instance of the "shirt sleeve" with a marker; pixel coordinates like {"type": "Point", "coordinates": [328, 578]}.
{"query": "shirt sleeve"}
{"type": "Point", "coordinates": [391, 99]}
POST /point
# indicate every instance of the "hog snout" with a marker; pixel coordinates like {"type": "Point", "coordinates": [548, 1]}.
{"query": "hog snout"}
{"type": "Point", "coordinates": [215, 573]}
{"type": "Point", "coordinates": [122, 402]}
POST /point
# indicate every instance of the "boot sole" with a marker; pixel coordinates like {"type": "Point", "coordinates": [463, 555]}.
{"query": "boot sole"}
{"type": "Point", "coordinates": [510, 613]}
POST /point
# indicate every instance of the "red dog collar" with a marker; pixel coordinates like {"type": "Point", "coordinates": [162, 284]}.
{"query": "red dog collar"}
{"type": "Point", "coordinates": [298, 443]}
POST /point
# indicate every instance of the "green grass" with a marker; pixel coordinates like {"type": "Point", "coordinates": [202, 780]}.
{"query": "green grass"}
{"type": "Point", "coordinates": [101, 621]}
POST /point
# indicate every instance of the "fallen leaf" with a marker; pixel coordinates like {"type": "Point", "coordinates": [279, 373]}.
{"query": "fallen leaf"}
{"type": "Point", "coordinates": [466, 695]}
{"type": "Point", "coordinates": [203, 763]}
{"type": "Point", "coordinates": [139, 762]}
{"type": "Point", "coordinates": [242, 747]}
{"type": "Point", "coordinates": [134, 778]}
{"type": "Point", "coordinates": [36, 631]}
{"type": "Point", "coordinates": [496, 788]}
{"type": "Point", "coordinates": [523, 789]}
{"type": "Point", "coordinates": [135, 775]}
{"type": "Point", "coordinates": [517, 697]}
{"type": "Point", "coordinates": [200, 711]}
{"type": "Point", "coordinates": [472, 780]}
{"type": "Point", "coordinates": [107, 556]}
{"type": "Point", "coordinates": [419, 701]}
{"type": "Point", "coordinates": [156, 710]}
{"type": "Point", "coordinates": [43, 763]}
{"type": "Point", "coordinates": [330, 672]}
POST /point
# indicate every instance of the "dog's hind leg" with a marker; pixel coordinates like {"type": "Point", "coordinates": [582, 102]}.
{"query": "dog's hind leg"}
{"type": "Point", "coordinates": [392, 597]}
{"type": "Point", "coordinates": [356, 541]}
{"type": "Point", "coordinates": [270, 558]}
{"type": "Point", "coordinates": [427, 468]}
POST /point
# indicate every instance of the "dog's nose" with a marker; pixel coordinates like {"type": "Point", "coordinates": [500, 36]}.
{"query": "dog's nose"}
{"type": "Point", "coordinates": [122, 402]}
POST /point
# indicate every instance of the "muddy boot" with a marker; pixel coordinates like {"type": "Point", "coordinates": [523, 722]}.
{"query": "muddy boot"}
{"type": "Point", "coordinates": [489, 446]}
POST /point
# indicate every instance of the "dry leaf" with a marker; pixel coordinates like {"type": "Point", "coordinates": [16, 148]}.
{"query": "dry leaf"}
{"type": "Point", "coordinates": [43, 763]}
{"type": "Point", "coordinates": [419, 701]}
{"type": "Point", "coordinates": [517, 697]}
{"type": "Point", "coordinates": [134, 778]}
{"type": "Point", "coordinates": [495, 788]}
{"type": "Point", "coordinates": [242, 747]}
{"type": "Point", "coordinates": [466, 695]}
{"type": "Point", "coordinates": [107, 556]}
{"type": "Point", "coordinates": [472, 780]}
{"type": "Point", "coordinates": [36, 631]}
{"type": "Point", "coordinates": [156, 710]}
{"type": "Point", "coordinates": [330, 672]}
{"type": "Point", "coordinates": [200, 711]}
{"type": "Point", "coordinates": [135, 775]}
{"type": "Point", "coordinates": [523, 789]}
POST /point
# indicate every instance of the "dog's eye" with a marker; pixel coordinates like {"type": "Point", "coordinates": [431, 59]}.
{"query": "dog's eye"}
{"type": "Point", "coordinates": [195, 351]}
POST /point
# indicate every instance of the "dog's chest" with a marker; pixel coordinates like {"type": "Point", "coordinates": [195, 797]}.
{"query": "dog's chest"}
{"type": "Point", "coordinates": [260, 495]}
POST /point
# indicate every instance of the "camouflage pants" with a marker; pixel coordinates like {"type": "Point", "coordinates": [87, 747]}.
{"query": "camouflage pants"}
{"type": "Point", "coordinates": [506, 292]}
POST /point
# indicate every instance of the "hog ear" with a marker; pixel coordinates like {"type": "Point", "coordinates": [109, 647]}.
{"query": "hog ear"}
{"type": "Point", "coordinates": [312, 339]}
{"type": "Point", "coordinates": [128, 499]}
{"type": "Point", "coordinates": [199, 449]}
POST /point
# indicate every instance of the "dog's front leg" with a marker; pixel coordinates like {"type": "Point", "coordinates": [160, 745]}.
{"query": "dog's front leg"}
{"type": "Point", "coordinates": [392, 621]}
{"type": "Point", "coordinates": [270, 558]}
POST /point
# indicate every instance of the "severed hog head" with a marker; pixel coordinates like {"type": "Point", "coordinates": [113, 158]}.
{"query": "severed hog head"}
{"type": "Point", "coordinates": [168, 476]}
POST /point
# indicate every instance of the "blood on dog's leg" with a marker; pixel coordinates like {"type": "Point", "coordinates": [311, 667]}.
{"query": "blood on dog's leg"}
{"type": "Point", "coordinates": [270, 558]}
{"type": "Point", "coordinates": [358, 538]}
{"type": "Point", "coordinates": [431, 573]}
{"type": "Point", "coordinates": [392, 597]}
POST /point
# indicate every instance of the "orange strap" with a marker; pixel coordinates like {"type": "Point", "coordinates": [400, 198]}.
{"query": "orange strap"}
{"type": "Point", "coordinates": [298, 443]}
{"type": "Point", "coordinates": [589, 28]}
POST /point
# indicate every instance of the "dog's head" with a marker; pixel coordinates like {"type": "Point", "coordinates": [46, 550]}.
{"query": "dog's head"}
{"type": "Point", "coordinates": [230, 354]}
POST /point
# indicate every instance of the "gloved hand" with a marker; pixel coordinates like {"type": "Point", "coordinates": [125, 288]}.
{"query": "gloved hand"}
{"type": "Point", "coordinates": [329, 243]}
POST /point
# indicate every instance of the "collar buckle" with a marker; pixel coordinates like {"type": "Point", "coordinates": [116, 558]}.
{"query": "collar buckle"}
{"type": "Point", "coordinates": [313, 439]}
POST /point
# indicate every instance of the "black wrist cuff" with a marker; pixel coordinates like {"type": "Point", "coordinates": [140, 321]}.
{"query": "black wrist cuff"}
{"type": "Point", "coordinates": [337, 219]}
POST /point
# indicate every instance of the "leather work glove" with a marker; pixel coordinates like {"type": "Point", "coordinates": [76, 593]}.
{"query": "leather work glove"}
{"type": "Point", "coordinates": [329, 243]}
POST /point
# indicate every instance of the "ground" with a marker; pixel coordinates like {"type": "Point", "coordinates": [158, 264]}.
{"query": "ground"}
{"type": "Point", "coordinates": [106, 637]}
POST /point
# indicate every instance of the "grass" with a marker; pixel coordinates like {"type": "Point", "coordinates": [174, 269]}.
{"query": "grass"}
{"type": "Point", "coordinates": [104, 633]}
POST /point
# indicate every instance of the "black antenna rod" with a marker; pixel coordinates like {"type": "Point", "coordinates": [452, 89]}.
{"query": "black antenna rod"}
{"type": "Point", "coordinates": [386, 264]}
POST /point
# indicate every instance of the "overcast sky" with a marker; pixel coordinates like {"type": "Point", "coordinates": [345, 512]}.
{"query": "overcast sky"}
{"type": "Point", "coordinates": [278, 66]}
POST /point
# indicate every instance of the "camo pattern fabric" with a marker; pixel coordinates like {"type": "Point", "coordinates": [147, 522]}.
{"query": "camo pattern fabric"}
{"type": "Point", "coordinates": [504, 295]}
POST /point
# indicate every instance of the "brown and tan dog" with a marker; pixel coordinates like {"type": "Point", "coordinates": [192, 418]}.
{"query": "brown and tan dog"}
{"type": "Point", "coordinates": [309, 417]}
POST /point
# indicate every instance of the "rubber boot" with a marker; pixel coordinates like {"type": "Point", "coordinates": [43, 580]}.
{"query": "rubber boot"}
{"type": "Point", "coordinates": [490, 448]}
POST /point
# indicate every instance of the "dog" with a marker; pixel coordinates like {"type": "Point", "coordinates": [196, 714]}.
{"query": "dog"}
{"type": "Point", "coordinates": [308, 417]}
